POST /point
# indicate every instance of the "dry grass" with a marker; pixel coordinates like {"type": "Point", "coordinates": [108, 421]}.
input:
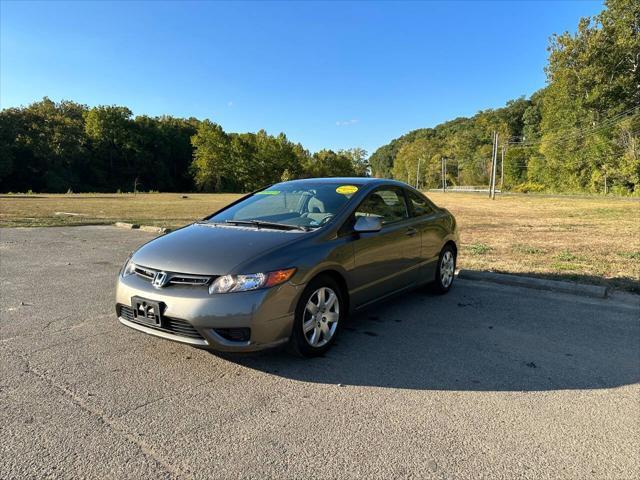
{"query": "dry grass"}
{"type": "Point", "coordinates": [590, 239]}
{"type": "Point", "coordinates": [164, 209]}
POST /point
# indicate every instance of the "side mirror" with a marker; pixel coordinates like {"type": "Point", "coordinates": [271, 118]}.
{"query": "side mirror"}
{"type": "Point", "coordinates": [367, 224]}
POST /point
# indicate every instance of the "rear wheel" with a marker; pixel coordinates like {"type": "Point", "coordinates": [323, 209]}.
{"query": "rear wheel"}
{"type": "Point", "coordinates": [445, 273]}
{"type": "Point", "coordinates": [317, 319]}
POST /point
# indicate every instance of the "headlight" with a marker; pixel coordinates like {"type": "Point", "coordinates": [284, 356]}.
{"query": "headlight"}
{"type": "Point", "coordinates": [252, 281]}
{"type": "Point", "coordinates": [129, 268]}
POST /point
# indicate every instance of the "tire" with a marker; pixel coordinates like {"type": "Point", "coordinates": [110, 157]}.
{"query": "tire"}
{"type": "Point", "coordinates": [322, 327]}
{"type": "Point", "coordinates": [445, 272]}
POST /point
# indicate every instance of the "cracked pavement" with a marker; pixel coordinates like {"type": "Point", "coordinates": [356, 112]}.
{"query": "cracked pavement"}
{"type": "Point", "coordinates": [488, 381]}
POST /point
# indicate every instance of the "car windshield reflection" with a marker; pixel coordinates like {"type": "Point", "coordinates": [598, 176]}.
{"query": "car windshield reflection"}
{"type": "Point", "coordinates": [305, 207]}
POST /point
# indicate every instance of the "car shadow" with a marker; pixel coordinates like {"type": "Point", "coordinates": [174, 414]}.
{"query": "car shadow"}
{"type": "Point", "coordinates": [476, 338]}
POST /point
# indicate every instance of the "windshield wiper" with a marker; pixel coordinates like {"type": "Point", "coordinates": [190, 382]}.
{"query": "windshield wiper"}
{"type": "Point", "coordinates": [260, 223]}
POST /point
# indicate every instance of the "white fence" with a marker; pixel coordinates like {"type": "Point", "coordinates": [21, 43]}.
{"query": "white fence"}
{"type": "Point", "coordinates": [466, 188]}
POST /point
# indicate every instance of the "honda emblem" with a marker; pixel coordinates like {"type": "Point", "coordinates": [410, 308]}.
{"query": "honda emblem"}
{"type": "Point", "coordinates": [159, 279]}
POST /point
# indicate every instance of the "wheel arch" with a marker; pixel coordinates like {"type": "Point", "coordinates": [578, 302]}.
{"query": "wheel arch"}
{"type": "Point", "coordinates": [340, 280]}
{"type": "Point", "coordinates": [453, 245]}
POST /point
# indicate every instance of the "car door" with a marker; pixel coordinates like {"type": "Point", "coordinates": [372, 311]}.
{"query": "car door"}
{"type": "Point", "coordinates": [385, 261]}
{"type": "Point", "coordinates": [429, 222]}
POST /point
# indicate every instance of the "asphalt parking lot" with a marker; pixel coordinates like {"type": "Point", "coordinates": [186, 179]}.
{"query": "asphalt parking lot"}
{"type": "Point", "coordinates": [488, 381]}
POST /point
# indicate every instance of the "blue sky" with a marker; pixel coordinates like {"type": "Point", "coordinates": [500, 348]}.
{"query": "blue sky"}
{"type": "Point", "coordinates": [329, 75]}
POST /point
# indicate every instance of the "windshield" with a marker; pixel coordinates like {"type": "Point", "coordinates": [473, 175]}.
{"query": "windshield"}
{"type": "Point", "coordinates": [297, 205]}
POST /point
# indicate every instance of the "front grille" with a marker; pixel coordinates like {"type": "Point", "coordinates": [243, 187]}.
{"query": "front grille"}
{"type": "Point", "coordinates": [174, 278]}
{"type": "Point", "coordinates": [169, 324]}
{"type": "Point", "coordinates": [145, 272]}
{"type": "Point", "coordinates": [125, 312]}
{"type": "Point", "coordinates": [189, 280]}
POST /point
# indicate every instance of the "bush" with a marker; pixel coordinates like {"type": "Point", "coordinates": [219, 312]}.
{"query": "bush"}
{"type": "Point", "coordinates": [528, 187]}
{"type": "Point", "coordinates": [622, 191]}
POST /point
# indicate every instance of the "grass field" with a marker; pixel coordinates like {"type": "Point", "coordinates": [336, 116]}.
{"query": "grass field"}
{"type": "Point", "coordinates": [588, 239]}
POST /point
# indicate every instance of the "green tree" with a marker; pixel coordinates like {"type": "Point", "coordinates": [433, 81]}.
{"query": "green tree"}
{"type": "Point", "coordinates": [359, 160]}
{"type": "Point", "coordinates": [423, 151]}
{"type": "Point", "coordinates": [211, 155]}
{"type": "Point", "coordinates": [594, 80]}
{"type": "Point", "coordinates": [110, 132]}
{"type": "Point", "coordinates": [327, 163]}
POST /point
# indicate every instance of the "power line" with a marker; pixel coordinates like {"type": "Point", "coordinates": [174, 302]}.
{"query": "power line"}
{"type": "Point", "coordinates": [583, 132]}
{"type": "Point", "coordinates": [525, 165]}
{"type": "Point", "coordinates": [605, 123]}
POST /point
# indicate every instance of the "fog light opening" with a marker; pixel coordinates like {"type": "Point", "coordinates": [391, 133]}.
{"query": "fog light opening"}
{"type": "Point", "coordinates": [234, 334]}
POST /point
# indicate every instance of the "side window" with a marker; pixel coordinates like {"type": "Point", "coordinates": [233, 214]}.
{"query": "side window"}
{"type": "Point", "coordinates": [387, 203]}
{"type": "Point", "coordinates": [419, 205]}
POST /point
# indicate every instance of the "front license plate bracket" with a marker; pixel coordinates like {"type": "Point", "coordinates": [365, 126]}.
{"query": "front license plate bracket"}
{"type": "Point", "coordinates": [146, 311]}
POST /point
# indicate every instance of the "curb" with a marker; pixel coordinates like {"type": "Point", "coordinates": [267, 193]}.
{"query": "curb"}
{"type": "Point", "coordinates": [126, 225]}
{"type": "Point", "coordinates": [142, 228]}
{"type": "Point", "coordinates": [149, 228]}
{"type": "Point", "coordinates": [594, 291]}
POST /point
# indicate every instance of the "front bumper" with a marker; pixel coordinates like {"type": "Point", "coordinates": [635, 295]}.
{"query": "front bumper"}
{"type": "Point", "coordinates": [268, 313]}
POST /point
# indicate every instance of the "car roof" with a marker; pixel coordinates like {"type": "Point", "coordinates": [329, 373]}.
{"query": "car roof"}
{"type": "Point", "coordinates": [348, 181]}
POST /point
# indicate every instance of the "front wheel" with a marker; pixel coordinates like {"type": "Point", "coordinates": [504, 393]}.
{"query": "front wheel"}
{"type": "Point", "coordinates": [445, 273]}
{"type": "Point", "coordinates": [317, 318]}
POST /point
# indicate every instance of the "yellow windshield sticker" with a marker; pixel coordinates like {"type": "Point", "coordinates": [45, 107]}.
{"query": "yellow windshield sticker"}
{"type": "Point", "coordinates": [346, 189]}
{"type": "Point", "coordinates": [268, 192]}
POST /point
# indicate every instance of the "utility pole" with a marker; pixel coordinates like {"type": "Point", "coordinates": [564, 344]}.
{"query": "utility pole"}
{"type": "Point", "coordinates": [504, 150]}
{"type": "Point", "coordinates": [418, 172]}
{"type": "Point", "coordinates": [444, 161]}
{"type": "Point", "coordinates": [495, 168]}
{"type": "Point", "coordinates": [606, 186]}
{"type": "Point", "coordinates": [493, 153]}
{"type": "Point", "coordinates": [492, 187]}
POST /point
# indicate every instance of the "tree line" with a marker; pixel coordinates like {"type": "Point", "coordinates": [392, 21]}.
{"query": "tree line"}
{"type": "Point", "coordinates": [67, 146]}
{"type": "Point", "coordinates": [580, 133]}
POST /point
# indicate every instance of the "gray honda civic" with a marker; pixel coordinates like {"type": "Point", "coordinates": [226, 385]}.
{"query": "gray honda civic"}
{"type": "Point", "coordinates": [287, 264]}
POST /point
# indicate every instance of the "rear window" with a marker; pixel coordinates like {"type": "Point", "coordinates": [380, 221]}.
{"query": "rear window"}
{"type": "Point", "coordinates": [419, 205]}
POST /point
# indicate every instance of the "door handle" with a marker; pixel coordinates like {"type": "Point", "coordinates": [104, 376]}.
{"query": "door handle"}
{"type": "Point", "coordinates": [411, 231]}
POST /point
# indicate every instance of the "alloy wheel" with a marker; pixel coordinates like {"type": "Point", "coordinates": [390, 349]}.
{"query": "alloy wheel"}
{"type": "Point", "coordinates": [447, 267]}
{"type": "Point", "coordinates": [321, 316]}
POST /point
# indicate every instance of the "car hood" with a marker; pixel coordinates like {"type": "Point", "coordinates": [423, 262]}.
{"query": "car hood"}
{"type": "Point", "coordinates": [210, 250]}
